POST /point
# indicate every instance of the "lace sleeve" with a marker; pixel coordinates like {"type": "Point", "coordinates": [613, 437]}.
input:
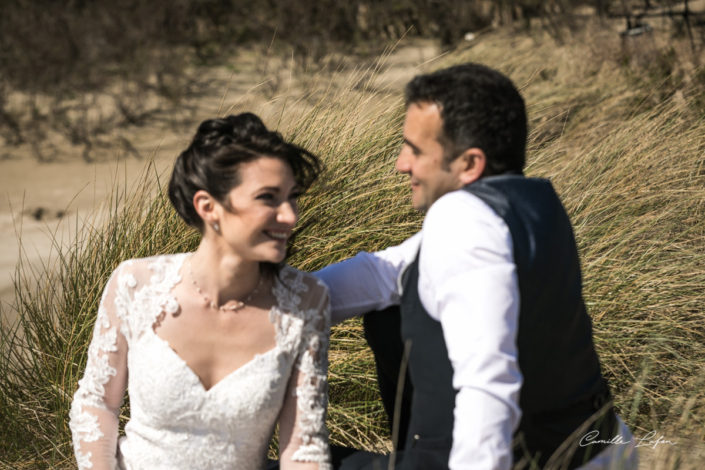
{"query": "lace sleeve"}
{"type": "Point", "coordinates": [96, 403]}
{"type": "Point", "coordinates": [302, 425]}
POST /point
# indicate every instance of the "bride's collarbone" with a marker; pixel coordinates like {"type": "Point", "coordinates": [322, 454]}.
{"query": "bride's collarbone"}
{"type": "Point", "coordinates": [243, 327]}
{"type": "Point", "coordinates": [212, 343]}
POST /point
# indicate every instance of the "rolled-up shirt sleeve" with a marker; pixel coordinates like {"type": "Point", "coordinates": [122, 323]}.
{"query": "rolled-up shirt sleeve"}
{"type": "Point", "coordinates": [367, 281]}
{"type": "Point", "coordinates": [468, 282]}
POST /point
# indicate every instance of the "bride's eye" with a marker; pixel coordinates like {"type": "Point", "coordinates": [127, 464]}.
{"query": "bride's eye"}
{"type": "Point", "coordinates": [265, 197]}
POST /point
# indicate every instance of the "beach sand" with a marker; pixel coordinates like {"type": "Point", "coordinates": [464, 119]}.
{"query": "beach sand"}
{"type": "Point", "coordinates": [43, 205]}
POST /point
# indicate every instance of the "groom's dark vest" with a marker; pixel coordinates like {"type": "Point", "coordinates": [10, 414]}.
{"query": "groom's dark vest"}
{"type": "Point", "coordinates": [562, 384]}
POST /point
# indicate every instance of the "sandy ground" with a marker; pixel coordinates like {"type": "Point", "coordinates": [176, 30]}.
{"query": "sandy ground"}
{"type": "Point", "coordinates": [43, 204]}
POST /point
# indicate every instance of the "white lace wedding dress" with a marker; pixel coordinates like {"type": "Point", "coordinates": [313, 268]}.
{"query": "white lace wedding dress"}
{"type": "Point", "coordinates": [175, 423]}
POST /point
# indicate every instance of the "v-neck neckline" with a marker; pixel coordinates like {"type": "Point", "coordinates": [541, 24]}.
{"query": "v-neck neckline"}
{"type": "Point", "coordinates": [172, 299]}
{"type": "Point", "coordinates": [256, 357]}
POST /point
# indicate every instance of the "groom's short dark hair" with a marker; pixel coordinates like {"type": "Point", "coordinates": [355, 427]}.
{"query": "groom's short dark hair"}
{"type": "Point", "coordinates": [480, 108]}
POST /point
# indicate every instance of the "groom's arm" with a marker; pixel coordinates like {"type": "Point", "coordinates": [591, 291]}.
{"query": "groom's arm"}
{"type": "Point", "coordinates": [468, 282]}
{"type": "Point", "coordinates": [367, 281]}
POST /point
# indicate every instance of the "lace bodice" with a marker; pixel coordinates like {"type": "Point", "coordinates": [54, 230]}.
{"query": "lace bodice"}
{"type": "Point", "coordinates": [175, 423]}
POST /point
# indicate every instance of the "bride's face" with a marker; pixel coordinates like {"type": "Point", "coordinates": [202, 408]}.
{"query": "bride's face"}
{"type": "Point", "coordinates": [262, 210]}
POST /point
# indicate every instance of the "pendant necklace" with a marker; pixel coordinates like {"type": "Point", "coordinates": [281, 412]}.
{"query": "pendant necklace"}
{"type": "Point", "coordinates": [227, 307]}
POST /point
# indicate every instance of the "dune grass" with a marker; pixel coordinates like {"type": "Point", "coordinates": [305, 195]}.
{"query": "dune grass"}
{"type": "Point", "coordinates": [623, 143]}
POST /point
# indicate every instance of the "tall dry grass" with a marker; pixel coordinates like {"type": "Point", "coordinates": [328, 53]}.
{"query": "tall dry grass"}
{"type": "Point", "coordinates": [623, 143]}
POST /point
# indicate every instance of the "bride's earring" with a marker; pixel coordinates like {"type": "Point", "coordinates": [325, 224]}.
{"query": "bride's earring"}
{"type": "Point", "coordinates": [216, 227]}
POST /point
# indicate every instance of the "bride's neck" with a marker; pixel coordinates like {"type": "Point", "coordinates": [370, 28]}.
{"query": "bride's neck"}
{"type": "Point", "coordinates": [223, 276]}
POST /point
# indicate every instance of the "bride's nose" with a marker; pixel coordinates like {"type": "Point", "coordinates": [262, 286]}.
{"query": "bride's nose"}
{"type": "Point", "coordinates": [287, 214]}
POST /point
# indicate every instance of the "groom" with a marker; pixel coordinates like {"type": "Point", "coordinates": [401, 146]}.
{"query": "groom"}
{"type": "Point", "coordinates": [501, 363]}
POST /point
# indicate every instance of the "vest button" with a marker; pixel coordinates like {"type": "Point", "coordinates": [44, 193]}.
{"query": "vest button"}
{"type": "Point", "coordinates": [416, 437]}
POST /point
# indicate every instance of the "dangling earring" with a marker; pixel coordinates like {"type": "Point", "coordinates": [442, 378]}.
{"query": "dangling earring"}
{"type": "Point", "coordinates": [216, 227]}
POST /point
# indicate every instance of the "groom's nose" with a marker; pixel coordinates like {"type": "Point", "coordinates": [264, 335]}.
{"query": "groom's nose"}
{"type": "Point", "coordinates": [403, 164]}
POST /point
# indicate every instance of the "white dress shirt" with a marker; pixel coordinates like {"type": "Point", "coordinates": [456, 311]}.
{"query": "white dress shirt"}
{"type": "Point", "coordinates": [468, 282]}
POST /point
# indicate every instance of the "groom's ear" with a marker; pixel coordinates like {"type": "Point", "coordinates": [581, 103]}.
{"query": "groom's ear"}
{"type": "Point", "coordinates": [471, 165]}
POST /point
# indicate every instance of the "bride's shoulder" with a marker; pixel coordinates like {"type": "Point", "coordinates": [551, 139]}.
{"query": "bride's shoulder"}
{"type": "Point", "coordinates": [150, 269]}
{"type": "Point", "coordinates": [302, 281]}
{"type": "Point", "coordinates": [302, 293]}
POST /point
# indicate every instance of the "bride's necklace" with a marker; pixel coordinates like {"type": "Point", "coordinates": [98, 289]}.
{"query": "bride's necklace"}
{"type": "Point", "coordinates": [230, 306]}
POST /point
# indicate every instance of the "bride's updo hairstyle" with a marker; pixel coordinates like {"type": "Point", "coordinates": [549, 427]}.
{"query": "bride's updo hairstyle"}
{"type": "Point", "coordinates": [211, 161]}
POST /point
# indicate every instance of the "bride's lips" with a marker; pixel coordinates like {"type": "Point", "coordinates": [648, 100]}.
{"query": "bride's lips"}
{"type": "Point", "coordinates": [278, 235]}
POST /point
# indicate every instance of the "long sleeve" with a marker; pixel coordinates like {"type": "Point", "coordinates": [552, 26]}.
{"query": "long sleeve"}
{"type": "Point", "coordinates": [367, 281]}
{"type": "Point", "coordinates": [467, 281]}
{"type": "Point", "coordinates": [302, 423]}
{"type": "Point", "coordinates": [96, 404]}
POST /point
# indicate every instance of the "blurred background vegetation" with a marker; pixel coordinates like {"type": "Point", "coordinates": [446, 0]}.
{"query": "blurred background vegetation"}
{"type": "Point", "coordinates": [616, 102]}
{"type": "Point", "coordinates": [61, 59]}
{"type": "Point", "coordinates": [75, 45]}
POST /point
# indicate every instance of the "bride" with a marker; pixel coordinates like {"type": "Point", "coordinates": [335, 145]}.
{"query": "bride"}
{"type": "Point", "coordinates": [219, 345]}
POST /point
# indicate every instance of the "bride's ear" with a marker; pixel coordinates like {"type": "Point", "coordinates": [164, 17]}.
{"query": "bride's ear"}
{"type": "Point", "coordinates": [206, 207]}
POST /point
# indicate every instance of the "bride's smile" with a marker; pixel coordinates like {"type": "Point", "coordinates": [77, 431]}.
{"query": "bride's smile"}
{"type": "Point", "coordinates": [260, 212]}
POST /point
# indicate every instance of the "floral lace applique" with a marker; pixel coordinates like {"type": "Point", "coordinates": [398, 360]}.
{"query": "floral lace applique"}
{"type": "Point", "coordinates": [84, 425]}
{"type": "Point", "coordinates": [175, 422]}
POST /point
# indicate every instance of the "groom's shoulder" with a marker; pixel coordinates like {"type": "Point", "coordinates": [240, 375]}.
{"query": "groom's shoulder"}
{"type": "Point", "coordinates": [457, 208]}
